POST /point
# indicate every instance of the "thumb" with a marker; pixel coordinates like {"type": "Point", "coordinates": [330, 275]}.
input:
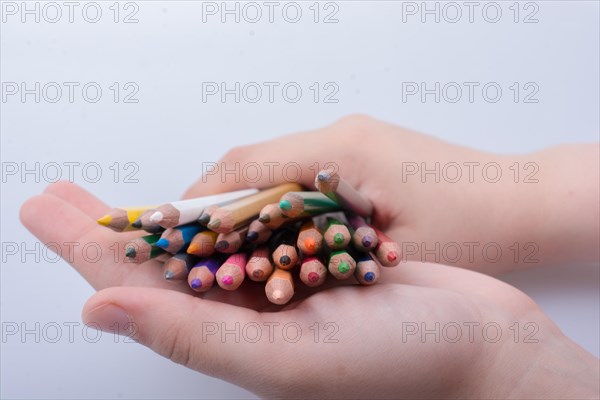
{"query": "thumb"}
{"type": "Point", "coordinates": [204, 335]}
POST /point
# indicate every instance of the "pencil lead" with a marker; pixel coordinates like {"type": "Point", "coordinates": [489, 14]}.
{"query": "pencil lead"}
{"type": "Point", "coordinates": [196, 283]}
{"type": "Point", "coordinates": [204, 219]}
{"type": "Point", "coordinates": [222, 245]}
{"type": "Point", "coordinates": [163, 243]}
{"type": "Point", "coordinates": [285, 205]}
{"type": "Point", "coordinates": [313, 277]}
{"type": "Point", "coordinates": [265, 218]}
{"type": "Point", "coordinates": [310, 244]}
{"type": "Point", "coordinates": [252, 236]}
{"type": "Point", "coordinates": [258, 273]}
{"type": "Point", "coordinates": [214, 224]}
{"type": "Point", "coordinates": [169, 275]}
{"type": "Point", "coordinates": [227, 280]}
{"type": "Point", "coordinates": [323, 176]}
{"type": "Point", "coordinates": [338, 238]}
{"type": "Point", "coordinates": [285, 260]}
{"type": "Point", "coordinates": [156, 217]}
{"type": "Point", "coordinates": [130, 252]}
{"type": "Point", "coordinates": [105, 221]}
{"type": "Point", "coordinates": [277, 294]}
{"type": "Point", "coordinates": [192, 248]}
{"type": "Point", "coordinates": [367, 241]}
{"type": "Point", "coordinates": [344, 267]}
{"type": "Point", "coordinates": [137, 223]}
{"type": "Point", "coordinates": [392, 256]}
{"type": "Point", "coordinates": [369, 276]}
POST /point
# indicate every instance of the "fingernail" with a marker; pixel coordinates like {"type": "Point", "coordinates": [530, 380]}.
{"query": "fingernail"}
{"type": "Point", "coordinates": [110, 318]}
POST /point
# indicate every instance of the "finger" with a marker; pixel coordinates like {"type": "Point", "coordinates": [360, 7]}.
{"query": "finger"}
{"type": "Point", "coordinates": [94, 251]}
{"type": "Point", "coordinates": [78, 197]}
{"type": "Point", "coordinates": [291, 158]}
{"type": "Point", "coordinates": [182, 328]}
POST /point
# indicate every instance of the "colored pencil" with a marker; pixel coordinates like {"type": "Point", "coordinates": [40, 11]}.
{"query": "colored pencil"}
{"type": "Point", "coordinates": [367, 269]}
{"type": "Point", "coordinates": [272, 217]}
{"type": "Point", "coordinates": [388, 252]}
{"type": "Point", "coordinates": [203, 244]}
{"type": "Point", "coordinates": [183, 212]}
{"type": "Point", "coordinates": [233, 271]}
{"type": "Point", "coordinates": [142, 249]}
{"type": "Point", "coordinates": [313, 272]}
{"type": "Point", "coordinates": [177, 267]}
{"type": "Point", "coordinates": [337, 236]}
{"type": "Point", "coordinates": [297, 204]}
{"type": "Point", "coordinates": [259, 267]}
{"type": "Point", "coordinates": [202, 275]}
{"type": "Point", "coordinates": [239, 213]}
{"type": "Point", "coordinates": [231, 242]}
{"type": "Point", "coordinates": [280, 287]}
{"type": "Point", "coordinates": [341, 264]}
{"type": "Point", "coordinates": [310, 239]}
{"type": "Point", "coordinates": [143, 222]}
{"type": "Point", "coordinates": [364, 238]}
{"type": "Point", "coordinates": [175, 239]}
{"type": "Point", "coordinates": [283, 248]}
{"type": "Point", "coordinates": [339, 190]}
{"type": "Point", "coordinates": [258, 233]}
{"type": "Point", "coordinates": [120, 219]}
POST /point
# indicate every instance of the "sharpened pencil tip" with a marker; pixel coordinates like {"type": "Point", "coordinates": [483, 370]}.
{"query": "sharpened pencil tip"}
{"type": "Point", "coordinates": [310, 244]}
{"type": "Point", "coordinates": [285, 205]}
{"type": "Point", "coordinates": [344, 267]}
{"type": "Point", "coordinates": [137, 223]}
{"type": "Point", "coordinates": [227, 280]}
{"type": "Point", "coordinates": [162, 243]}
{"type": "Point", "coordinates": [265, 218]}
{"type": "Point", "coordinates": [214, 224]}
{"type": "Point", "coordinates": [169, 275]}
{"type": "Point", "coordinates": [252, 236]}
{"type": "Point", "coordinates": [156, 217]}
{"type": "Point", "coordinates": [196, 283]}
{"type": "Point", "coordinates": [130, 252]}
{"type": "Point", "coordinates": [192, 248]}
{"type": "Point", "coordinates": [222, 245]}
{"type": "Point", "coordinates": [105, 221]}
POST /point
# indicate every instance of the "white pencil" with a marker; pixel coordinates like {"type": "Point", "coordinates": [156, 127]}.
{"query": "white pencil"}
{"type": "Point", "coordinates": [182, 212]}
{"type": "Point", "coordinates": [336, 188]}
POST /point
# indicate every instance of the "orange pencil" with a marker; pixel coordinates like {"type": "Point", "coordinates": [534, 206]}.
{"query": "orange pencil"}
{"type": "Point", "coordinates": [310, 240]}
{"type": "Point", "coordinates": [203, 244]}
{"type": "Point", "coordinates": [280, 287]}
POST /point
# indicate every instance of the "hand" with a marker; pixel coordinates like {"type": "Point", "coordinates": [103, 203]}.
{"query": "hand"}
{"type": "Point", "coordinates": [376, 354]}
{"type": "Point", "coordinates": [468, 220]}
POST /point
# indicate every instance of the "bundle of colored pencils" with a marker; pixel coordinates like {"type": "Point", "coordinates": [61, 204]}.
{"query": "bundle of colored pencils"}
{"type": "Point", "coordinates": [270, 235]}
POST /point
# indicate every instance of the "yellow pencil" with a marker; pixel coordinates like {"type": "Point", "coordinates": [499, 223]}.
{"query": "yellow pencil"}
{"type": "Point", "coordinates": [120, 219]}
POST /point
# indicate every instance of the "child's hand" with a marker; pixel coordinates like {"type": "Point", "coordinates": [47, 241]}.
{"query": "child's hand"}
{"type": "Point", "coordinates": [465, 214]}
{"type": "Point", "coordinates": [357, 341]}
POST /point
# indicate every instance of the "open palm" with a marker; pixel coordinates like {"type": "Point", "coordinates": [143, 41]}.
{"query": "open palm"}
{"type": "Point", "coordinates": [351, 331]}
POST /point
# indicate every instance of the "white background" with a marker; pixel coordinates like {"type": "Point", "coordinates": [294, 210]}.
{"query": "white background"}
{"type": "Point", "coordinates": [170, 51]}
